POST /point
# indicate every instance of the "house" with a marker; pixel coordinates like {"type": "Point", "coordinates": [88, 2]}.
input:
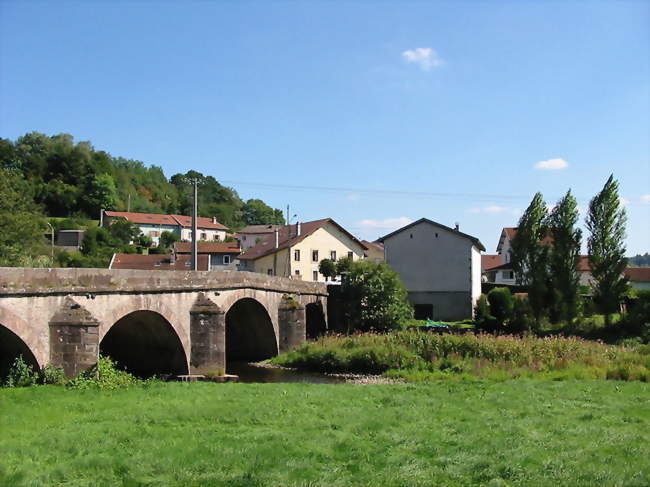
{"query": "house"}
{"type": "Point", "coordinates": [375, 251]}
{"type": "Point", "coordinates": [152, 225]}
{"type": "Point", "coordinates": [440, 267]}
{"type": "Point", "coordinates": [222, 255]}
{"type": "Point", "coordinates": [296, 250]}
{"type": "Point", "coordinates": [70, 240]}
{"type": "Point", "coordinates": [489, 262]}
{"type": "Point", "coordinates": [253, 234]}
{"type": "Point", "coordinates": [639, 277]}
{"type": "Point", "coordinates": [153, 262]}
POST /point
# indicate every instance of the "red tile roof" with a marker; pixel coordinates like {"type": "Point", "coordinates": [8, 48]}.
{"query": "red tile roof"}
{"type": "Point", "coordinates": [257, 229]}
{"type": "Point", "coordinates": [148, 262]}
{"type": "Point", "coordinates": [174, 220]}
{"type": "Point", "coordinates": [209, 247]}
{"type": "Point", "coordinates": [490, 261]}
{"type": "Point", "coordinates": [511, 232]}
{"type": "Point", "coordinates": [638, 274]}
{"type": "Point", "coordinates": [288, 237]}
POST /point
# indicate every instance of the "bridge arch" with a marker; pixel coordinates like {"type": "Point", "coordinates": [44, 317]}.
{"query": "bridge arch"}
{"type": "Point", "coordinates": [145, 343]}
{"type": "Point", "coordinates": [12, 347]}
{"type": "Point", "coordinates": [250, 334]}
{"type": "Point", "coordinates": [315, 320]}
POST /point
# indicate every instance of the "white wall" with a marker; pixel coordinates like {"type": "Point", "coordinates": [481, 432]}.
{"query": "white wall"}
{"type": "Point", "coordinates": [476, 275]}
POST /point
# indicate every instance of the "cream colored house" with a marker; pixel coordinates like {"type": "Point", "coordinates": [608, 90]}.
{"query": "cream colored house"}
{"type": "Point", "coordinates": [296, 250]}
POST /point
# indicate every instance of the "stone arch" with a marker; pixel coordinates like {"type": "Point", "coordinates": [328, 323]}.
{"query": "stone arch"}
{"type": "Point", "coordinates": [315, 325]}
{"type": "Point", "coordinates": [12, 347]}
{"type": "Point", "coordinates": [23, 332]}
{"type": "Point", "coordinates": [145, 343]}
{"type": "Point", "coordinates": [250, 334]}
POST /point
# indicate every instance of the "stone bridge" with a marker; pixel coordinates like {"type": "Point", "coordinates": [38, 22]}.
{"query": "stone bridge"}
{"type": "Point", "coordinates": [153, 322]}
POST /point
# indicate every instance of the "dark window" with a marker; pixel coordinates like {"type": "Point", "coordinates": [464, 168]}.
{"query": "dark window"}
{"type": "Point", "coordinates": [423, 311]}
{"type": "Point", "coordinates": [297, 272]}
{"type": "Point", "coordinates": [333, 254]}
{"type": "Point", "coordinates": [204, 236]}
{"type": "Point", "coordinates": [269, 272]}
{"type": "Point", "coordinates": [226, 259]}
{"type": "Point", "coordinates": [296, 255]}
{"type": "Point", "coordinates": [314, 255]}
{"type": "Point", "coordinates": [350, 255]}
{"type": "Point", "coordinates": [315, 275]}
{"type": "Point", "coordinates": [411, 235]}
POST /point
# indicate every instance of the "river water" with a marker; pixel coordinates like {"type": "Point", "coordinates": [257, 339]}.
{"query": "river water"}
{"type": "Point", "coordinates": [248, 372]}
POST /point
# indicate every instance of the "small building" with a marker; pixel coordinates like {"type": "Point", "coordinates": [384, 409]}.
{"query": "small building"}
{"type": "Point", "coordinates": [440, 267]}
{"type": "Point", "coordinates": [70, 240]}
{"type": "Point", "coordinates": [154, 262]}
{"type": "Point", "coordinates": [375, 251]}
{"type": "Point", "coordinates": [296, 250]}
{"type": "Point", "coordinates": [254, 234]}
{"type": "Point", "coordinates": [223, 255]}
{"type": "Point", "coordinates": [152, 225]}
{"type": "Point", "coordinates": [639, 277]}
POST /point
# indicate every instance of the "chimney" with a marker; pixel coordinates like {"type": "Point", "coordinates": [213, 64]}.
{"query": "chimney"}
{"type": "Point", "coordinates": [214, 220]}
{"type": "Point", "coordinates": [298, 229]}
{"type": "Point", "coordinates": [457, 227]}
{"type": "Point", "coordinates": [277, 238]}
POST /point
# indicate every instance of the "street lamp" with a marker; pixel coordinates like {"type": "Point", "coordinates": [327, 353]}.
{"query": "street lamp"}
{"type": "Point", "coordinates": [52, 243]}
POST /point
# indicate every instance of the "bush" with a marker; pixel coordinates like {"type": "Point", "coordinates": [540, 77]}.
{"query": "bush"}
{"type": "Point", "coordinates": [501, 304]}
{"type": "Point", "coordinates": [482, 317]}
{"type": "Point", "coordinates": [53, 374]}
{"type": "Point", "coordinates": [522, 316]}
{"type": "Point", "coordinates": [21, 374]}
{"type": "Point", "coordinates": [103, 375]}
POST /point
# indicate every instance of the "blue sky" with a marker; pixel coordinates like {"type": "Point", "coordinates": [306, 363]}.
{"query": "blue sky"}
{"type": "Point", "coordinates": [431, 109]}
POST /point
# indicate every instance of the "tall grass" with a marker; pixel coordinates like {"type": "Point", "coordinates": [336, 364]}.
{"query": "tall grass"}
{"type": "Point", "coordinates": [419, 355]}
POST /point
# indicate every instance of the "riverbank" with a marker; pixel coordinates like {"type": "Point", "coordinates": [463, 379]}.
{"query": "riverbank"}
{"type": "Point", "coordinates": [417, 356]}
{"type": "Point", "coordinates": [517, 433]}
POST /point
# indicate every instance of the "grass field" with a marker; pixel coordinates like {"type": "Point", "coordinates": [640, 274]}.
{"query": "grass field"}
{"type": "Point", "coordinates": [510, 433]}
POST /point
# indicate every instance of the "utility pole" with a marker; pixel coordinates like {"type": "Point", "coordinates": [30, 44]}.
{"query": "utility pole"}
{"type": "Point", "coordinates": [128, 205]}
{"type": "Point", "coordinates": [195, 246]}
{"type": "Point", "coordinates": [288, 223]}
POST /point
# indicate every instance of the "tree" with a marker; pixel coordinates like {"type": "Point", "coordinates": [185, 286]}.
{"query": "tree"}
{"type": "Point", "coordinates": [167, 239]}
{"type": "Point", "coordinates": [21, 222]}
{"type": "Point", "coordinates": [102, 194]}
{"type": "Point", "coordinates": [530, 257]}
{"type": "Point", "coordinates": [606, 224]}
{"type": "Point", "coordinates": [327, 267]}
{"type": "Point", "coordinates": [564, 257]}
{"type": "Point", "coordinates": [501, 304]}
{"type": "Point", "coordinates": [374, 297]}
{"type": "Point", "coordinates": [124, 231]}
{"type": "Point", "coordinates": [256, 212]}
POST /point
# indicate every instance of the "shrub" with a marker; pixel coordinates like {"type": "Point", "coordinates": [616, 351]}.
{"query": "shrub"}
{"type": "Point", "coordinates": [53, 374]}
{"type": "Point", "coordinates": [501, 304]}
{"type": "Point", "coordinates": [21, 374]}
{"type": "Point", "coordinates": [522, 316]}
{"type": "Point", "coordinates": [483, 319]}
{"type": "Point", "coordinates": [103, 375]}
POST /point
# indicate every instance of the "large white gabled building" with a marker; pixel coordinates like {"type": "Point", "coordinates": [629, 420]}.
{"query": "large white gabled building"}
{"type": "Point", "coordinates": [440, 267]}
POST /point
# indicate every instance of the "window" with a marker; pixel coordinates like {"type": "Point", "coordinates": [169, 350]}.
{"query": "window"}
{"type": "Point", "coordinates": [508, 274]}
{"type": "Point", "coordinates": [296, 255]}
{"type": "Point", "coordinates": [226, 259]}
{"type": "Point", "coordinates": [216, 237]}
{"type": "Point", "coordinates": [350, 255]}
{"type": "Point", "coordinates": [269, 272]}
{"type": "Point", "coordinates": [314, 256]}
{"type": "Point", "coordinates": [315, 275]}
{"type": "Point", "coordinates": [188, 263]}
{"type": "Point", "coordinates": [333, 254]}
{"type": "Point", "coordinates": [204, 236]}
{"type": "Point", "coordinates": [297, 272]}
{"type": "Point", "coordinates": [243, 238]}
{"type": "Point", "coordinates": [154, 233]}
{"type": "Point", "coordinates": [156, 264]}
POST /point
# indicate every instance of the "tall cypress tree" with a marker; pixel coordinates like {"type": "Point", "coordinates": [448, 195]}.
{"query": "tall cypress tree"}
{"type": "Point", "coordinates": [529, 258]}
{"type": "Point", "coordinates": [606, 224]}
{"type": "Point", "coordinates": [564, 257]}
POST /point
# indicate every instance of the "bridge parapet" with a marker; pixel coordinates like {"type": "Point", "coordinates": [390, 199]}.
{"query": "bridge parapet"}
{"type": "Point", "coordinates": [30, 281]}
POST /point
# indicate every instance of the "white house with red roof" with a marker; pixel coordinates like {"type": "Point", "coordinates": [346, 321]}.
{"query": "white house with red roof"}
{"type": "Point", "coordinates": [152, 225]}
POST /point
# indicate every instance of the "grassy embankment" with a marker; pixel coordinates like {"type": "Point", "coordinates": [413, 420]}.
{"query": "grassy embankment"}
{"type": "Point", "coordinates": [420, 356]}
{"type": "Point", "coordinates": [517, 433]}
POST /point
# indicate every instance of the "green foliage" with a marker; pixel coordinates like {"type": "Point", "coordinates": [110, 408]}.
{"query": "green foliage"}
{"type": "Point", "coordinates": [327, 268]}
{"type": "Point", "coordinates": [21, 374]}
{"type": "Point", "coordinates": [52, 375]}
{"type": "Point", "coordinates": [501, 305]}
{"type": "Point", "coordinates": [482, 317]}
{"type": "Point", "coordinates": [256, 212]}
{"type": "Point", "coordinates": [374, 297]}
{"type": "Point", "coordinates": [522, 316]}
{"type": "Point", "coordinates": [606, 224]}
{"type": "Point", "coordinates": [639, 260]}
{"type": "Point", "coordinates": [167, 240]}
{"type": "Point", "coordinates": [123, 230]}
{"type": "Point", "coordinates": [530, 257]}
{"type": "Point", "coordinates": [564, 257]}
{"type": "Point", "coordinates": [482, 356]}
{"type": "Point", "coordinates": [103, 375]}
{"type": "Point", "coordinates": [343, 265]}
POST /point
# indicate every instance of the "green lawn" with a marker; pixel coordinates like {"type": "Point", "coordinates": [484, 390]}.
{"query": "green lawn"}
{"type": "Point", "coordinates": [451, 433]}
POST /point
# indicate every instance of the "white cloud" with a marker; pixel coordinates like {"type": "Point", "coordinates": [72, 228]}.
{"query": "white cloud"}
{"type": "Point", "coordinates": [552, 164]}
{"type": "Point", "coordinates": [494, 209]}
{"type": "Point", "coordinates": [645, 199]}
{"type": "Point", "coordinates": [353, 196]}
{"type": "Point", "coordinates": [425, 57]}
{"type": "Point", "coordinates": [386, 223]}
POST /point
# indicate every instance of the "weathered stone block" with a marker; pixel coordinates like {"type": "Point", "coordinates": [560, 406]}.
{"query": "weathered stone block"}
{"type": "Point", "coordinates": [207, 336]}
{"type": "Point", "coordinates": [291, 321]}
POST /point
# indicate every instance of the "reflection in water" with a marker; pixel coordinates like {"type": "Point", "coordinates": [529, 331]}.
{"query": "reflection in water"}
{"type": "Point", "coordinates": [249, 372]}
